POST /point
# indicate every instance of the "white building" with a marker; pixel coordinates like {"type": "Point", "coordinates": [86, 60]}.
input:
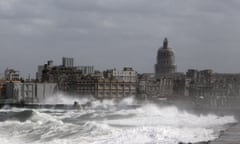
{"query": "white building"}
{"type": "Point", "coordinates": [30, 92]}
{"type": "Point", "coordinates": [127, 74]}
{"type": "Point", "coordinates": [12, 75]}
{"type": "Point", "coordinates": [86, 69]}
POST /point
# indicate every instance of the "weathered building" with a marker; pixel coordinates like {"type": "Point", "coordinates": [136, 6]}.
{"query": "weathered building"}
{"type": "Point", "coordinates": [74, 80]}
{"type": "Point", "coordinates": [61, 75]}
{"type": "Point", "coordinates": [214, 89]}
{"type": "Point", "coordinates": [169, 86]}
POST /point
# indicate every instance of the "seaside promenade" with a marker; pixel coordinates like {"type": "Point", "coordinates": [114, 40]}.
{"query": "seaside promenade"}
{"type": "Point", "coordinates": [230, 136]}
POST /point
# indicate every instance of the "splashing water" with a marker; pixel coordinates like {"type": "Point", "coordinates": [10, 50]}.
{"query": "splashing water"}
{"type": "Point", "coordinates": [108, 122]}
{"type": "Point", "coordinates": [60, 98]}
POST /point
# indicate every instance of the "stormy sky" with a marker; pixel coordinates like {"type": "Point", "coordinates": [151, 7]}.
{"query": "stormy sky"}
{"type": "Point", "coordinates": [116, 33]}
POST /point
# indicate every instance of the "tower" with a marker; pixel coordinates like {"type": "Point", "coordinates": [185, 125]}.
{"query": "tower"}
{"type": "Point", "coordinates": [165, 60]}
{"type": "Point", "coordinates": [67, 62]}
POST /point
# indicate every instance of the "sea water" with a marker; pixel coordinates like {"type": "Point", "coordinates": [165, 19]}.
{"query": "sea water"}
{"type": "Point", "coordinates": [108, 122]}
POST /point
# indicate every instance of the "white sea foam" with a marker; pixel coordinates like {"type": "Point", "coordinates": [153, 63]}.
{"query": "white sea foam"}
{"type": "Point", "coordinates": [60, 98]}
{"type": "Point", "coordinates": [112, 122]}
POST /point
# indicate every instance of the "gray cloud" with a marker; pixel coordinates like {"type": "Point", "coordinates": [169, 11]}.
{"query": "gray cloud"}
{"type": "Point", "coordinates": [116, 33]}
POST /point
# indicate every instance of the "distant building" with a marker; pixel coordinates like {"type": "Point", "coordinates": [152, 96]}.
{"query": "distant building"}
{"type": "Point", "coordinates": [39, 72]}
{"type": "Point", "coordinates": [2, 89]}
{"type": "Point", "coordinates": [168, 87]}
{"type": "Point", "coordinates": [214, 89]}
{"type": "Point", "coordinates": [84, 81]}
{"type": "Point", "coordinates": [151, 88]}
{"type": "Point", "coordinates": [18, 92]}
{"type": "Point", "coordinates": [127, 74]}
{"type": "Point", "coordinates": [86, 70]}
{"type": "Point", "coordinates": [12, 75]}
{"type": "Point", "coordinates": [60, 74]}
{"type": "Point", "coordinates": [165, 60]}
{"type": "Point", "coordinates": [67, 62]}
{"type": "Point", "coordinates": [108, 88]}
{"type": "Point", "coordinates": [102, 88]}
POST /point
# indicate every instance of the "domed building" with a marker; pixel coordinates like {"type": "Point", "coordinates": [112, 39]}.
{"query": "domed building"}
{"type": "Point", "coordinates": [165, 60]}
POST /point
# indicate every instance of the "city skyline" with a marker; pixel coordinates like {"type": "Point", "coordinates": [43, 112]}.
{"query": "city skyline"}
{"type": "Point", "coordinates": [108, 34]}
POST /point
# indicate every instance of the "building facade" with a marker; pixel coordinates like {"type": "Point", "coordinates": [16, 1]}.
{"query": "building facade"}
{"type": "Point", "coordinates": [127, 74]}
{"type": "Point", "coordinates": [28, 92]}
{"type": "Point", "coordinates": [169, 86]}
{"type": "Point", "coordinates": [211, 89]}
{"type": "Point", "coordinates": [109, 88]}
{"type": "Point", "coordinates": [109, 84]}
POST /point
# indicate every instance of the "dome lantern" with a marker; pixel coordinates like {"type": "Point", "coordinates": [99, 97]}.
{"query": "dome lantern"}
{"type": "Point", "coordinates": [165, 43]}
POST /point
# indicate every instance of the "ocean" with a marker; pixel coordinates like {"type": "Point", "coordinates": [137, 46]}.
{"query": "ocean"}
{"type": "Point", "coordinates": [108, 122]}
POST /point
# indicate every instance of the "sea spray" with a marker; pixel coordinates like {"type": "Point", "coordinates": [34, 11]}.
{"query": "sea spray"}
{"type": "Point", "coordinates": [60, 98]}
{"type": "Point", "coordinates": [110, 122]}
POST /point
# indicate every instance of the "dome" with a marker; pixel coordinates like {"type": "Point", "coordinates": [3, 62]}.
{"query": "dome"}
{"type": "Point", "coordinates": [166, 52]}
{"type": "Point", "coordinates": [165, 59]}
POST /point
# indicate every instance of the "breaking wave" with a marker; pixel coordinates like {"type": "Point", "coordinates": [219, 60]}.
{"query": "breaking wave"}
{"type": "Point", "coordinates": [109, 122]}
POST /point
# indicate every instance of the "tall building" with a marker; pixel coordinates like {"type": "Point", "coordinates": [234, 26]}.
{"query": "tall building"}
{"type": "Point", "coordinates": [165, 60]}
{"type": "Point", "coordinates": [39, 73]}
{"type": "Point", "coordinates": [67, 62]}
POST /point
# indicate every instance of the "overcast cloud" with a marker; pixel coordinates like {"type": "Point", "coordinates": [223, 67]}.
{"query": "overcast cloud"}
{"type": "Point", "coordinates": [117, 33]}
